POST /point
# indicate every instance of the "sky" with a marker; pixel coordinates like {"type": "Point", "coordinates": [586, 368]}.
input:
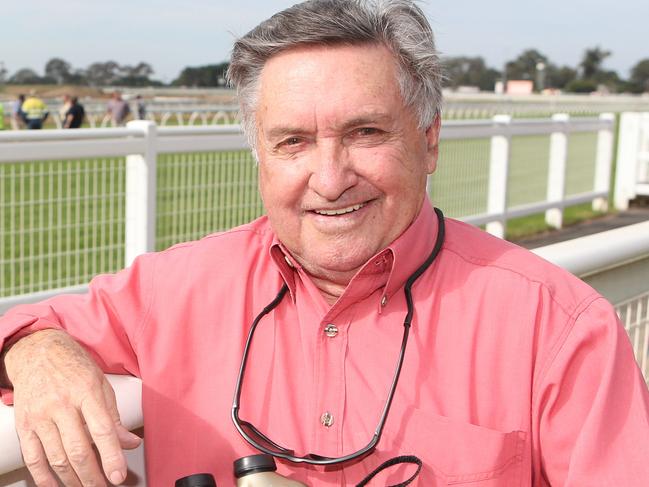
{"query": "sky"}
{"type": "Point", "coordinates": [172, 34]}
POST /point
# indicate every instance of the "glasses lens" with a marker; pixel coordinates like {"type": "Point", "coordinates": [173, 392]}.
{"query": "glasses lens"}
{"type": "Point", "coordinates": [258, 437]}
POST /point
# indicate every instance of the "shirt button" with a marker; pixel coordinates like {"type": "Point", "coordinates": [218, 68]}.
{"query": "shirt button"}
{"type": "Point", "coordinates": [331, 330]}
{"type": "Point", "coordinates": [288, 261]}
{"type": "Point", "coordinates": [327, 419]}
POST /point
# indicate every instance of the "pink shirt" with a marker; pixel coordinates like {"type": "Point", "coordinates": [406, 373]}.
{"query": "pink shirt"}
{"type": "Point", "coordinates": [516, 373]}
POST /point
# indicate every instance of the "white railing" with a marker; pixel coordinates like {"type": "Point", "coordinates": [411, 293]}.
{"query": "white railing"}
{"type": "Point", "coordinates": [77, 203]}
{"type": "Point", "coordinates": [163, 116]}
{"type": "Point", "coordinates": [615, 262]}
{"type": "Point", "coordinates": [501, 130]}
{"type": "Point", "coordinates": [632, 178]}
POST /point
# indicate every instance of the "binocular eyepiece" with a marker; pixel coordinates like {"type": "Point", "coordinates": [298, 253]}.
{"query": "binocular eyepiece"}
{"type": "Point", "coordinates": [250, 471]}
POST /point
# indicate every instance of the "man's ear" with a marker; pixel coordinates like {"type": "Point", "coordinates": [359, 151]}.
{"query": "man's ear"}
{"type": "Point", "coordinates": [432, 144]}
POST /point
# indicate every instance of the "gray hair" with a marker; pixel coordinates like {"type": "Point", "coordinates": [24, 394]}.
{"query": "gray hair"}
{"type": "Point", "coordinates": [400, 25]}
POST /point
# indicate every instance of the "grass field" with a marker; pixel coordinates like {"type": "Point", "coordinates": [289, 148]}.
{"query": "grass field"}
{"type": "Point", "coordinates": [62, 222]}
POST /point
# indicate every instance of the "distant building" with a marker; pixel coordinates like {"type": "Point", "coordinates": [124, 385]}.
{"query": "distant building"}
{"type": "Point", "coordinates": [520, 87]}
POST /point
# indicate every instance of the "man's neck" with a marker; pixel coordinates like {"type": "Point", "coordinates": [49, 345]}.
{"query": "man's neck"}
{"type": "Point", "coordinates": [331, 284]}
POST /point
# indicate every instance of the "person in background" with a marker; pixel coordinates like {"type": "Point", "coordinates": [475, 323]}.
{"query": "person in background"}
{"type": "Point", "coordinates": [117, 109]}
{"type": "Point", "coordinates": [140, 107]}
{"type": "Point", "coordinates": [17, 116]}
{"type": "Point", "coordinates": [63, 109]}
{"type": "Point", "coordinates": [35, 112]}
{"type": "Point", "coordinates": [75, 114]}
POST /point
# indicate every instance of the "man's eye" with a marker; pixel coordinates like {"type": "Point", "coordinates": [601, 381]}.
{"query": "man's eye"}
{"type": "Point", "coordinates": [365, 131]}
{"type": "Point", "coordinates": [292, 141]}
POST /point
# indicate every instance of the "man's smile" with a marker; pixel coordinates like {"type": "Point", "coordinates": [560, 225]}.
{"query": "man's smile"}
{"type": "Point", "coordinates": [340, 211]}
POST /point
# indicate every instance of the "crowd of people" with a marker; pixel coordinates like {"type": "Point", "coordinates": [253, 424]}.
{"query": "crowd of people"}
{"type": "Point", "coordinates": [30, 112]}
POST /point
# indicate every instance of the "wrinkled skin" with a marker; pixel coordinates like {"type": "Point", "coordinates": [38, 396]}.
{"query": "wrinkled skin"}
{"type": "Point", "coordinates": [63, 404]}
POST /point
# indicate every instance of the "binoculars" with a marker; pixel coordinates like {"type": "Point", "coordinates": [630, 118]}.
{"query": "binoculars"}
{"type": "Point", "coordinates": [250, 471]}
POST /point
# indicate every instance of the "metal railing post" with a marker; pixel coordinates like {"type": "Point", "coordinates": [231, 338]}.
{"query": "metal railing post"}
{"type": "Point", "coordinates": [603, 162]}
{"type": "Point", "coordinates": [141, 194]}
{"type": "Point", "coordinates": [557, 170]}
{"type": "Point", "coordinates": [627, 160]}
{"type": "Point", "coordinates": [498, 172]}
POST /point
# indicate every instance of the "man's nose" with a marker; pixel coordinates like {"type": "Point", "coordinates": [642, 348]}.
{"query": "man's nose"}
{"type": "Point", "coordinates": [331, 170]}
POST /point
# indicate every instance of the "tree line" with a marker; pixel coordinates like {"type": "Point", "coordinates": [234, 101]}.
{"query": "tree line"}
{"type": "Point", "coordinates": [531, 64]}
{"type": "Point", "coordinates": [60, 72]}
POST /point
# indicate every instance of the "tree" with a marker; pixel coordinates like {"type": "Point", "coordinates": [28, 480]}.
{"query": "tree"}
{"type": "Point", "coordinates": [581, 86]}
{"type": "Point", "coordinates": [26, 76]}
{"type": "Point", "coordinates": [3, 72]}
{"type": "Point", "coordinates": [59, 70]}
{"type": "Point", "coordinates": [559, 77]}
{"type": "Point", "coordinates": [640, 76]}
{"type": "Point", "coordinates": [469, 71]}
{"type": "Point", "coordinates": [102, 74]}
{"type": "Point", "coordinates": [202, 76]}
{"type": "Point", "coordinates": [591, 63]}
{"type": "Point", "coordinates": [136, 76]}
{"type": "Point", "coordinates": [524, 66]}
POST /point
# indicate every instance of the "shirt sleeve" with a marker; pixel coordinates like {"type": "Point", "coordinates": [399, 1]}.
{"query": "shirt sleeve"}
{"type": "Point", "coordinates": [106, 320]}
{"type": "Point", "coordinates": [591, 407]}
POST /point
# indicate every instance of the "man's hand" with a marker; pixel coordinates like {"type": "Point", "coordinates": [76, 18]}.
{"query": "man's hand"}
{"type": "Point", "coordinates": [63, 404]}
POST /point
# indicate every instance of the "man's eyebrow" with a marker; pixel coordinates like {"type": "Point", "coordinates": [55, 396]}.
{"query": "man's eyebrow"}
{"type": "Point", "coordinates": [283, 131]}
{"type": "Point", "coordinates": [368, 119]}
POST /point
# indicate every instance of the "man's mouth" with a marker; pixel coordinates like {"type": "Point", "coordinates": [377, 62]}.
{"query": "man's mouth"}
{"type": "Point", "coordinates": [341, 211]}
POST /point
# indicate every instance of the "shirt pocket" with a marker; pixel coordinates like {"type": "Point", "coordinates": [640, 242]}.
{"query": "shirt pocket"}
{"type": "Point", "coordinates": [458, 453]}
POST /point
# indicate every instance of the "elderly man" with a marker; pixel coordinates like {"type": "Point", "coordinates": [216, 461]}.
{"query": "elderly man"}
{"type": "Point", "coordinates": [379, 329]}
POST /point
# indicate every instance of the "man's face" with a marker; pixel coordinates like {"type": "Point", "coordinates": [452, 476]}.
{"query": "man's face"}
{"type": "Point", "coordinates": [342, 163]}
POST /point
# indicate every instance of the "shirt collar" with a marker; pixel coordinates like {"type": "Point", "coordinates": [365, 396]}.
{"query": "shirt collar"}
{"type": "Point", "coordinates": [412, 248]}
{"type": "Point", "coordinates": [396, 262]}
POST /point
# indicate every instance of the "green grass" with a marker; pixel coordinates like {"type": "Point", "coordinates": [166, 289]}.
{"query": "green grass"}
{"type": "Point", "coordinates": [519, 228]}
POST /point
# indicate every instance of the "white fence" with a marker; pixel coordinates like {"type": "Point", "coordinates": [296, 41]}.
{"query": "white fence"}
{"type": "Point", "coordinates": [77, 203]}
{"type": "Point", "coordinates": [610, 261]}
{"type": "Point", "coordinates": [204, 114]}
{"type": "Point", "coordinates": [632, 177]}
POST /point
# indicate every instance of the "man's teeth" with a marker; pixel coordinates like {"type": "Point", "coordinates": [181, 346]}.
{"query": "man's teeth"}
{"type": "Point", "coordinates": [342, 211]}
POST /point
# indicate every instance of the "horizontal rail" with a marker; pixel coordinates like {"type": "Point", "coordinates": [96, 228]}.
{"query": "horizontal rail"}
{"type": "Point", "coordinates": [594, 253]}
{"type": "Point", "coordinates": [77, 134]}
{"type": "Point", "coordinates": [533, 208]}
{"type": "Point", "coordinates": [55, 150]}
{"type": "Point", "coordinates": [460, 129]}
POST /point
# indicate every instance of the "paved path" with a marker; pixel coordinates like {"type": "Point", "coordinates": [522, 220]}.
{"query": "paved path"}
{"type": "Point", "coordinates": [635, 214]}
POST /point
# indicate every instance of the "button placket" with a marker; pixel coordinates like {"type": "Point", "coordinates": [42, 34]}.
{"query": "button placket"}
{"type": "Point", "coordinates": [331, 390]}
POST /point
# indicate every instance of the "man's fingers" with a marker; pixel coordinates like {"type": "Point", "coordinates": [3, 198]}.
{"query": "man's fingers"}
{"type": "Point", "coordinates": [35, 459]}
{"type": "Point", "coordinates": [50, 439]}
{"type": "Point", "coordinates": [79, 451]}
{"type": "Point", "coordinates": [103, 431]}
{"type": "Point", "coordinates": [127, 440]}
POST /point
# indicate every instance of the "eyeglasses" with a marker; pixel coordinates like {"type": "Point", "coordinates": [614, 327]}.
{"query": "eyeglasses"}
{"type": "Point", "coordinates": [264, 444]}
